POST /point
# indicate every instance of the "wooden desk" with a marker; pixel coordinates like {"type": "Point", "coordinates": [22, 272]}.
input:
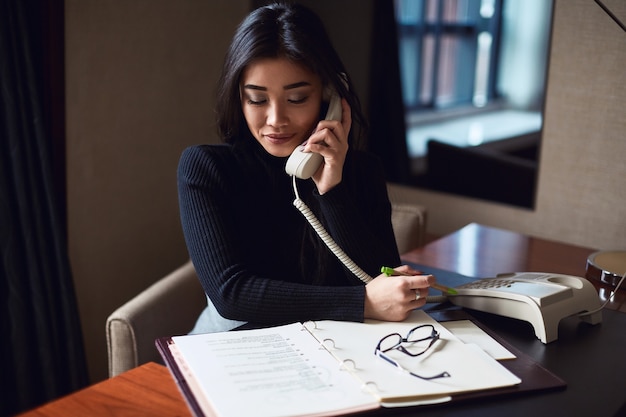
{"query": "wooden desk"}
{"type": "Point", "coordinates": [480, 251]}
{"type": "Point", "coordinates": [148, 390]}
{"type": "Point", "coordinates": [475, 251]}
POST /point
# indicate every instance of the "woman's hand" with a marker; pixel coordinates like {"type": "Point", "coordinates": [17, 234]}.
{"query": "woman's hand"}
{"type": "Point", "coordinates": [330, 139]}
{"type": "Point", "coordinates": [393, 298]}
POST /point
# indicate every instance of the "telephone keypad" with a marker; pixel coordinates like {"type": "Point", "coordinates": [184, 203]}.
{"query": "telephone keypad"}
{"type": "Point", "coordinates": [537, 288]}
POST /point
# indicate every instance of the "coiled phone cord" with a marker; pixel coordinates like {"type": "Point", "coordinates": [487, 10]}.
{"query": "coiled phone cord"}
{"type": "Point", "coordinates": [326, 238]}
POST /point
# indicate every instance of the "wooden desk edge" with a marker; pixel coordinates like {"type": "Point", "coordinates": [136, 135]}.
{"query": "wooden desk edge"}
{"type": "Point", "coordinates": [147, 389]}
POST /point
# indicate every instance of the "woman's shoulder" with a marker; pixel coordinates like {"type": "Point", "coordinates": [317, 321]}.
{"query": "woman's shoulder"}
{"type": "Point", "coordinates": [361, 160]}
{"type": "Point", "coordinates": [203, 155]}
{"type": "Point", "coordinates": [206, 161]}
{"type": "Point", "coordinates": [364, 171]}
{"type": "Point", "coordinates": [364, 156]}
{"type": "Point", "coordinates": [206, 151]}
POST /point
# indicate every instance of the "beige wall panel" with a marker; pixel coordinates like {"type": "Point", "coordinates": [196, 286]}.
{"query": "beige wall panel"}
{"type": "Point", "coordinates": [140, 79]}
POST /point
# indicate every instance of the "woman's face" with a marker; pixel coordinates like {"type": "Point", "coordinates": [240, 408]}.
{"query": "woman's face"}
{"type": "Point", "coordinates": [281, 103]}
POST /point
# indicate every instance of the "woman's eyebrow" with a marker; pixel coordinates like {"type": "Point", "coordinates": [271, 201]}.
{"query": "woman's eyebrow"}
{"type": "Point", "coordinates": [254, 87]}
{"type": "Point", "coordinates": [296, 85]}
{"type": "Point", "coordinates": [287, 87]}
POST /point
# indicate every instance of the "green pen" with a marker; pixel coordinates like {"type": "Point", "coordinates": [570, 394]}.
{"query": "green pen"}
{"type": "Point", "coordinates": [390, 271]}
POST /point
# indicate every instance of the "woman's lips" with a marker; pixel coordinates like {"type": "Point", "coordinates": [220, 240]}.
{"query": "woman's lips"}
{"type": "Point", "coordinates": [279, 138]}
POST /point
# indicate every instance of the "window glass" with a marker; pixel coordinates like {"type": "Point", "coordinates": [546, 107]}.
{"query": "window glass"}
{"type": "Point", "coordinates": [472, 72]}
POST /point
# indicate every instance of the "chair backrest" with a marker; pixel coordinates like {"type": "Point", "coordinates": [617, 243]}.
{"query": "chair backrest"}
{"type": "Point", "coordinates": [408, 222]}
{"type": "Point", "coordinates": [481, 172]}
{"type": "Point", "coordinates": [408, 217]}
{"type": "Point", "coordinates": [168, 307]}
{"type": "Point", "coordinates": [171, 305]}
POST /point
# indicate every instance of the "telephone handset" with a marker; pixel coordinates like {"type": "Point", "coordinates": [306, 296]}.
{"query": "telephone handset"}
{"type": "Point", "coordinates": [304, 164]}
{"type": "Point", "coordinates": [542, 299]}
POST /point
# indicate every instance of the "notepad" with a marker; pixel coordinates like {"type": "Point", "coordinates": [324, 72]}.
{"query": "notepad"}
{"type": "Point", "coordinates": [322, 368]}
{"type": "Point", "coordinates": [470, 333]}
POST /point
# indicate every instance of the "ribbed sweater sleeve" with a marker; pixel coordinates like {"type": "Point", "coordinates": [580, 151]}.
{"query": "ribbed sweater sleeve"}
{"type": "Point", "coordinates": [245, 238]}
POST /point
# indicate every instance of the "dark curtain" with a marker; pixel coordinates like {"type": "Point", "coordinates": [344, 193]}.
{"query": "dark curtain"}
{"type": "Point", "coordinates": [387, 136]}
{"type": "Point", "coordinates": [42, 353]}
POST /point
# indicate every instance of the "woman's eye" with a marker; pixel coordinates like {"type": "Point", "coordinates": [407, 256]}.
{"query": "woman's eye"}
{"type": "Point", "coordinates": [298, 100]}
{"type": "Point", "coordinates": [259, 100]}
{"type": "Point", "coordinates": [256, 101]}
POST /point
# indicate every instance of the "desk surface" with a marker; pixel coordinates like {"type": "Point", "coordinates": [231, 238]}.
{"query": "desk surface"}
{"type": "Point", "coordinates": [589, 358]}
{"type": "Point", "coordinates": [148, 390]}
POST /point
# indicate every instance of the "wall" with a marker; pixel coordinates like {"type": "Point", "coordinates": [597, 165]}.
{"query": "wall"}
{"type": "Point", "coordinates": [140, 76]}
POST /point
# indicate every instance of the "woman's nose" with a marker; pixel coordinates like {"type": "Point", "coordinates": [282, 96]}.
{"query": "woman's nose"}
{"type": "Point", "coordinates": [276, 115]}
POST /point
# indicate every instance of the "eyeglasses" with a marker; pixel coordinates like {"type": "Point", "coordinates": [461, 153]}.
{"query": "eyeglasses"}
{"type": "Point", "coordinates": [421, 339]}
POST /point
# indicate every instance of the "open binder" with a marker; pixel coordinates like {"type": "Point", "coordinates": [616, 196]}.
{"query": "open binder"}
{"type": "Point", "coordinates": [329, 368]}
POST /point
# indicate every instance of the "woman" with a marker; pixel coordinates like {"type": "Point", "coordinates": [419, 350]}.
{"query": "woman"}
{"type": "Point", "coordinates": [257, 257]}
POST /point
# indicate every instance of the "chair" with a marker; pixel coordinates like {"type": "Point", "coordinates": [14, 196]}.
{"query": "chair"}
{"type": "Point", "coordinates": [171, 305]}
{"type": "Point", "coordinates": [408, 217]}
{"type": "Point", "coordinates": [482, 172]}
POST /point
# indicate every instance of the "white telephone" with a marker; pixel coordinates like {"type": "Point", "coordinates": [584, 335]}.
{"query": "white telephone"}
{"type": "Point", "coordinates": [542, 299]}
{"type": "Point", "coordinates": [304, 164]}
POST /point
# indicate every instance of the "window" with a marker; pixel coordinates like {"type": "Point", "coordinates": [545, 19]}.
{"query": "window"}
{"type": "Point", "coordinates": [473, 73]}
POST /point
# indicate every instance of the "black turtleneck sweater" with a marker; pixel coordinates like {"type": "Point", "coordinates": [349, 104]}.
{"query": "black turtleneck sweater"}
{"type": "Point", "coordinates": [257, 258]}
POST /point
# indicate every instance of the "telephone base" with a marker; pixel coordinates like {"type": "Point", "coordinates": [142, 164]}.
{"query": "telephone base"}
{"type": "Point", "coordinates": [594, 318]}
{"type": "Point", "coordinates": [542, 299]}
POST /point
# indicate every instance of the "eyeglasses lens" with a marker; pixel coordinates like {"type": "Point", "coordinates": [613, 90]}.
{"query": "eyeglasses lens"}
{"type": "Point", "coordinates": [420, 333]}
{"type": "Point", "coordinates": [390, 342]}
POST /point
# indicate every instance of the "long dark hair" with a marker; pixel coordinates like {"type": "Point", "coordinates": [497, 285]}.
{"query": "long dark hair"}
{"type": "Point", "coordinates": [281, 30]}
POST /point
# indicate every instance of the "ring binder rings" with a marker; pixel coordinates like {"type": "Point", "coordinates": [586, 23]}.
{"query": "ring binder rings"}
{"type": "Point", "coordinates": [327, 343]}
{"type": "Point", "coordinates": [348, 365]}
{"type": "Point", "coordinates": [203, 365]}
